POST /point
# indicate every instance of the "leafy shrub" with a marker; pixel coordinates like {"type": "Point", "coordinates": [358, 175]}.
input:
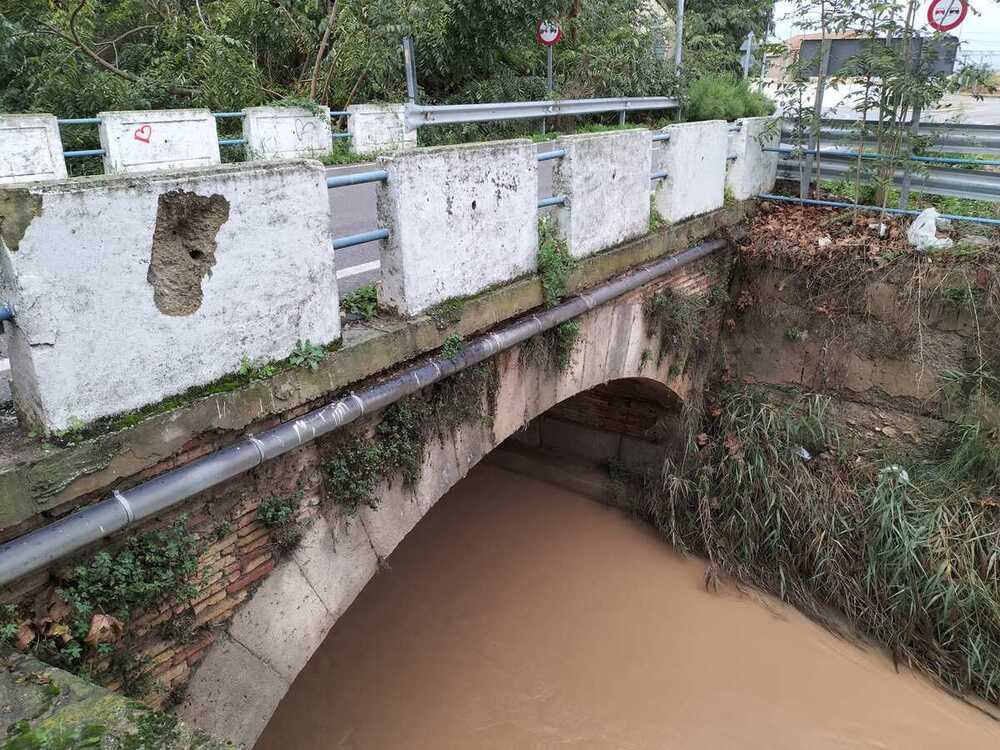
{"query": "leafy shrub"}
{"type": "Point", "coordinates": [717, 96]}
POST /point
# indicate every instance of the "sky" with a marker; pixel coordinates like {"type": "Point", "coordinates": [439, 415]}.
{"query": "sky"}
{"type": "Point", "coordinates": [977, 32]}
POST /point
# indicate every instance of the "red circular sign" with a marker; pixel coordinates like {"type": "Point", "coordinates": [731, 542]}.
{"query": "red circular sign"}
{"type": "Point", "coordinates": [944, 15]}
{"type": "Point", "coordinates": [548, 33]}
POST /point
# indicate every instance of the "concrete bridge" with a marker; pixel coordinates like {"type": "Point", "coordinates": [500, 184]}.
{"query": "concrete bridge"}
{"type": "Point", "coordinates": [177, 350]}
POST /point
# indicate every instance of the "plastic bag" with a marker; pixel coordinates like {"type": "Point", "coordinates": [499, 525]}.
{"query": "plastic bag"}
{"type": "Point", "coordinates": [922, 233]}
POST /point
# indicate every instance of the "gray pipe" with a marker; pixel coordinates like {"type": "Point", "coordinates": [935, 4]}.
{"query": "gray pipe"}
{"type": "Point", "coordinates": [38, 549]}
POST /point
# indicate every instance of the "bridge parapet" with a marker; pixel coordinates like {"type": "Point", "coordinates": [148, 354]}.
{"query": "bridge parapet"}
{"type": "Point", "coordinates": [460, 219]}
{"type": "Point", "coordinates": [694, 158]}
{"type": "Point", "coordinates": [133, 290]}
{"type": "Point", "coordinates": [605, 178]}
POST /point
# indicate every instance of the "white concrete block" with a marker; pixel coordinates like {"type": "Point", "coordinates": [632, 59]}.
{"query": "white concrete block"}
{"type": "Point", "coordinates": [753, 171]}
{"type": "Point", "coordinates": [160, 140]}
{"type": "Point", "coordinates": [605, 178]}
{"type": "Point", "coordinates": [132, 289]}
{"type": "Point", "coordinates": [286, 132]}
{"type": "Point", "coordinates": [30, 149]}
{"type": "Point", "coordinates": [460, 219]}
{"type": "Point", "coordinates": [379, 128]}
{"type": "Point", "coordinates": [695, 161]}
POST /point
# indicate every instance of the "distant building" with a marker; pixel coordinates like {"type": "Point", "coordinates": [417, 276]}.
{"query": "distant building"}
{"type": "Point", "coordinates": [776, 66]}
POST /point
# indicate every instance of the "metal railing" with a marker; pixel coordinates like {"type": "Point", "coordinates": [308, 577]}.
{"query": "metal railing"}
{"type": "Point", "coordinates": [866, 207]}
{"type": "Point", "coordinates": [957, 137]}
{"type": "Point", "coordinates": [419, 115]}
{"type": "Point", "coordinates": [972, 184]}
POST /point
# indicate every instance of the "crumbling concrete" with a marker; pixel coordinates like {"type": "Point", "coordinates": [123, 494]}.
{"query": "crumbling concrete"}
{"type": "Point", "coordinates": [128, 291]}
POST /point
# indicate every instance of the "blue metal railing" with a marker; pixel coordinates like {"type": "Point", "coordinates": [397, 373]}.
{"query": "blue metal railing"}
{"type": "Point", "coordinates": [360, 239]}
{"type": "Point", "coordinates": [658, 176]}
{"type": "Point", "coordinates": [6, 313]}
{"type": "Point", "coordinates": [359, 178]}
{"type": "Point", "coordinates": [661, 137]}
{"type": "Point", "coordinates": [556, 153]}
{"type": "Point", "coordinates": [553, 200]}
{"type": "Point", "coordinates": [864, 207]}
{"type": "Point", "coordinates": [81, 153]}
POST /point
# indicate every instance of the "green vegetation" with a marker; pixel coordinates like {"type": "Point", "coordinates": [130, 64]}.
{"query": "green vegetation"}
{"type": "Point", "coordinates": [395, 449]}
{"type": "Point", "coordinates": [675, 319]}
{"type": "Point", "coordinates": [716, 96]}
{"type": "Point", "coordinates": [280, 514]}
{"type": "Point", "coordinates": [341, 155]}
{"type": "Point", "coordinates": [448, 313]}
{"type": "Point", "coordinates": [85, 618]}
{"type": "Point", "coordinates": [905, 549]}
{"type": "Point", "coordinates": [555, 264]}
{"type": "Point", "coordinates": [656, 220]}
{"type": "Point", "coordinates": [307, 354]}
{"type": "Point", "coordinates": [452, 346]}
{"type": "Point", "coordinates": [552, 350]}
{"type": "Point", "coordinates": [362, 302]}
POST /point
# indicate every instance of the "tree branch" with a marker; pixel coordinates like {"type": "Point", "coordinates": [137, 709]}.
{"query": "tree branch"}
{"type": "Point", "coordinates": [74, 38]}
{"type": "Point", "coordinates": [331, 19]}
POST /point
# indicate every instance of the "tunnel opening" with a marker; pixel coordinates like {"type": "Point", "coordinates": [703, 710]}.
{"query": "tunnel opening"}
{"type": "Point", "coordinates": [588, 441]}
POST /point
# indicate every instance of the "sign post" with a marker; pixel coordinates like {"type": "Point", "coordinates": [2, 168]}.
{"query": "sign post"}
{"type": "Point", "coordinates": [548, 35]}
{"type": "Point", "coordinates": [747, 49]}
{"type": "Point", "coordinates": [945, 15]}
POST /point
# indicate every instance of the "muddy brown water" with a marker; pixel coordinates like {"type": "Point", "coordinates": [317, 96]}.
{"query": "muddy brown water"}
{"type": "Point", "coordinates": [518, 615]}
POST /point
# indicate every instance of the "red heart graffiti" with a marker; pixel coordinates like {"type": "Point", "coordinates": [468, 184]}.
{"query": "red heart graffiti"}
{"type": "Point", "coordinates": [143, 133]}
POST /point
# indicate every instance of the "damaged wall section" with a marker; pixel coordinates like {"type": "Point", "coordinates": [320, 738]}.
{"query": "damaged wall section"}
{"type": "Point", "coordinates": [130, 290]}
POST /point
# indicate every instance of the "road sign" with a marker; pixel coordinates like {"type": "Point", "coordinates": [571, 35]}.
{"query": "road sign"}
{"type": "Point", "coordinates": [944, 15]}
{"type": "Point", "coordinates": [548, 33]}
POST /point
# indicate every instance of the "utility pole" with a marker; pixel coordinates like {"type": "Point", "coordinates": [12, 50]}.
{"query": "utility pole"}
{"type": "Point", "coordinates": [678, 37]}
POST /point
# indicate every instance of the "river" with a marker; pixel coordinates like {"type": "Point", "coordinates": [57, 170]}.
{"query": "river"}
{"type": "Point", "coordinates": [519, 616]}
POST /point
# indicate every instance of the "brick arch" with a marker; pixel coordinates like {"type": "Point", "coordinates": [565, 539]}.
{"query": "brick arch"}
{"type": "Point", "coordinates": [248, 670]}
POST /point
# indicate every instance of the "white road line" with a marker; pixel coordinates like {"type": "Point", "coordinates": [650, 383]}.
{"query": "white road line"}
{"type": "Point", "coordinates": [346, 273]}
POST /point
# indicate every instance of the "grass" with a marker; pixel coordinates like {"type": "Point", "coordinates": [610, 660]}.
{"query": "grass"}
{"type": "Point", "coordinates": [552, 350]}
{"type": "Point", "coordinates": [341, 155]}
{"type": "Point", "coordinates": [907, 551]}
{"type": "Point", "coordinates": [555, 264]}
{"type": "Point", "coordinates": [362, 302]}
{"type": "Point", "coordinates": [674, 319]}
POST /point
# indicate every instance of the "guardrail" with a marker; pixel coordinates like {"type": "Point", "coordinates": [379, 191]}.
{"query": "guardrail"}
{"type": "Point", "coordinates": [418, 115]}
{"type": "Point", "coordinates": [958, 183]}
{"type": "Point", "coordinates": [866, 207]}
{"type": "Point", "coordinates": [958, 137]}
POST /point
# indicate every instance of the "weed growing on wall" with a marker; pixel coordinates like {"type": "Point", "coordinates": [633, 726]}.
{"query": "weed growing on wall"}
{"type": "Point", "coordinates": [555, 264]}
{"type": "Point", "coordinates": [396, 450]}
{"type": "Point", "coordinates": [656, 220]}
{"type": "Point", "coordinates": [904, 549]}
{"type": "Point", "coordinates": [448, 313]}
{"type": "Point", "coordinates": [552, 350]}
{"type": "Point", "coordinates": [84, 620]}
{"type": "Point", "coordinates": [674, 318]}
{"type": "Point", "coordinates": [452, 346]}
{"type": "Point", "coordinates": [307, 354]}
{"type": "Point", "coordinates": [280, 515]}
{"type": "Point", "coordinates": [362, 302]}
